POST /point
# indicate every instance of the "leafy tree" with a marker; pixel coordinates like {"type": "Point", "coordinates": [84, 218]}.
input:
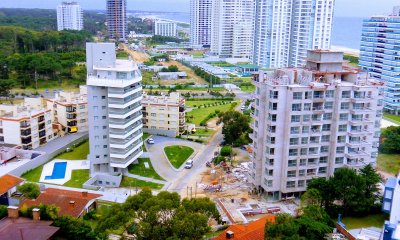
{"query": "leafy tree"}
{"type": "Point", "coordinates": [30, 190]}
{"type": "Point", "coordinates": [226, 151]}
{"type": "Point", "coordinates": [236, 127]}
{"type": "Point", "coordinates": [74, 229]}
{"type": "Point", "coordinates": [284, 228]}
{"type": "Point", "coordinates": [5, 88]}
{"type": "Point", "coordinates": [3, 211]}
{"type": "Point", "coordinates": [390, 140]}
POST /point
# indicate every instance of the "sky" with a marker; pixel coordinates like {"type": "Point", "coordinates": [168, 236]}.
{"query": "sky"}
{"type": "Point", "coordinates": [344, 8]}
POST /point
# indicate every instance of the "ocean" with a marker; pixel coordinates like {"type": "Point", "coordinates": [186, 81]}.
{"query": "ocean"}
{"type": "Point", "coordinates": [346, 31]}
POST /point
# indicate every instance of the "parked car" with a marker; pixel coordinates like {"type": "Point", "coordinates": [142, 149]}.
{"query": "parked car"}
{"type": "Point", "coordinates": [150, 141]}
{"type": "Point", "coordinates": [189, 164]}
{"type": "Point", "coordinates": [243, 107]}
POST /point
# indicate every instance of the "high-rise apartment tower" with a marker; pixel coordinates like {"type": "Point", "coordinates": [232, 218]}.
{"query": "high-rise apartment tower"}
{"type": "Point", "coordinates": [200, 22]}
{"type": "Point", "coordinates": [117, 19]}
{"type": "Point", "coordinates": [286, 29]}
{"type": "Point", "coordinates": [114, 93]}
{"type": "Point", "coordinates": [69, 16]}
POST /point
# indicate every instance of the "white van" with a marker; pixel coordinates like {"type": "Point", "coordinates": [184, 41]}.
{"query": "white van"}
{"type": "Point", "coordinates": [189, 164]}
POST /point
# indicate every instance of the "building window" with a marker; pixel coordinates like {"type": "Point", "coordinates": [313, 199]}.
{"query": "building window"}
{"type": "Point", "coordinates": [303, 151]}
{"type": "Point", "coordinates": [305, 129]}
{"type": "Point", "coordinates": [325, 138]}
{"type": "Point", "coordinates": [295, 118]}
{"type": "Point", "coordinates": [322, 170]}
{"type": "Point", "coordinates": [270, 172]}
{"type": "Point", "coordinates": [105, 146]}
{"type": "Point", "coordinates": [304, 140]}
{"type": "Point", "coordinates": [339, 149]}
{"type": "Point", "coordinates": [329, 93]}
{"type": "Point", "coordinates": [328, 116]}
{"type": "Point", "coordinates": [153, 114]}
{"type": "Point", "coordinates": [273, 94]}
{"type": "Point", "coordinates": [344, 117]}
{"type": "Point", "coordinates": [328, 105]}
{"type": "Point", "coordinates": [346, 94]}
{"type": "Point", "coordinates": [297, 95]}
{"type": "Point", "coordinates": [344, 106]}
{"type": "Point", "coordinates": [104, 117]}
{"type": "Point", "coordinates": [104, 127]}
{"type": "Point", "coordinates": [323, 160]}
{"type": "Point", "coordinates": [296, 107]}
{"type": "Point", "coordinates": [295, 130]}
{"type": "Point", "coordinates": [293, 152]}
{"type": "Point", "coordinates": [341, 139]}
{"type": "Point", "coordinates": [342, 128]}
{"type": "Point", "coordinates": [324, 149]}
{"type": "Point", "coordinates": [291, 173]}
{"type": "Point", "coordinates": [292, 163]}
{"type": "Point", "coordinates": [302, 173]}
{"type": "Point", "coordinates": [307, 106]}
{"type": "Point", "coordinates": [300, 183]}
{"type": "Point", "coordinates": [326, 127]}
{"type": "Point", "coordinates": [303, 162]}
{"type": "Point", "coordinates": [306, 118]}
{"type": "Point", "coordinates": [82, 107]}
{"type": "Point", "coordinates": [290, 184]}
{"type": "Point", "coordinates": [103, 97]}
{"type": "Point", "coordinates": [294, 141]}
{"type": "Point", "coordinates": [339, 160]}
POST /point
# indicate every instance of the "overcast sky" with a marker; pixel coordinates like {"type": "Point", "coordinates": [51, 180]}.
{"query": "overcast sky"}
{"type": "Point", "coordinates": [347, 8]}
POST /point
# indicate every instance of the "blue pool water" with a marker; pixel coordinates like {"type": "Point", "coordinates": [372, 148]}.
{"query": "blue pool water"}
{"type": "Point", "coordinates": [58, 171]}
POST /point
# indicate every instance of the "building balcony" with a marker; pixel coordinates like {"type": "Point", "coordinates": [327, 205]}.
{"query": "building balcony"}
{"type": "Point", "coordinates": [70, 109]}
{"type": "Point", "coordinates": [125, 162]}
{"type": "Point", "coordinates": [25, 124]}
{"type": "Point", "coordinates": [25, 133]}
{"type": "Point", "coordinates": [71, 116]}
{"type": "Point", "coordinates": [41, 119]}
{"type": "Point", "coordinates": [42, 126]}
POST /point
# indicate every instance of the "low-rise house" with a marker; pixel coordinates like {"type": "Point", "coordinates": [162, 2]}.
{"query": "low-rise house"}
{"type": "Point", "coordinates": [69, 111]}
{"type": "Point", "coordinates": [246, 69]}
{"type": "Point", "coordinates": [14, 227]}
{"type": "Point", "coordinates": [252, 231]}
{"type": "Point", "coordinates": [164, 115]}
{"type": "Point", "coordinates": [28, 125]}
{"type": "Point", "coordinates": [171, 75]}
{"type": "Point", "coordinates": [8, 187]}
{"type": "Point", "coordinates": [70, 203]}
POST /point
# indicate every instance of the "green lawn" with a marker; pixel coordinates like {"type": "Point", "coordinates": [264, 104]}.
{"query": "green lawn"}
{"type": "Point", "coordinates": [375, 220]}
{"type": "Point", "coordinates": [141, 170]}
{"type": "Point", "coordinates": [33, 175]}
{"type": "Point", "coordinates": [202, 113]}
{"type": "Point", "coordinates": [122, 55]}
{"type": "Point", "coordinates": [393, 118]}
{"type": "Point", "coordinates": [251, 88]}
{"type": "Point", "coordinates": [203, 132]}
{"type": "Point", "coordinates": [133, 182]}
{"type": "Point", "coordinates": [389, 163]}
{"type": "Point", "coordinates": [145, 136]}
{"type": "Point", "coordinates": [191, 103]}
{"type": "Point", "coordinates": [78, 153]}
{"type": "Point", "coordinates": [78, 178]}
{"type": "Point", "coordinates": [177, 155]}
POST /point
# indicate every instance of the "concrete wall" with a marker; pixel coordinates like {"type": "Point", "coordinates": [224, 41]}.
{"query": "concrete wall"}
{"type": "Point", "coordinates": [103, 180]}
{"type": "Point", "coordinates": [42, 159]}
{"type": "Point", "coordinates": [168, 133]}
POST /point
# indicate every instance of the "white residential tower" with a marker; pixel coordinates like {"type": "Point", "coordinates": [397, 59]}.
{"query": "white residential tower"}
{"type": "Point", "coordinates": [69, 16]}
{"type": "Point", "coordinates": [200, 22]}
{"type": "Point", "coordinates": [114, 93]}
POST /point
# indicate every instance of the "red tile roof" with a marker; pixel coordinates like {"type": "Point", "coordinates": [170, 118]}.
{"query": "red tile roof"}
{"type": "Point", "coordinates": [62, 199]}
{"type": "Point", "coordinates": [24, 228]}
{"type": "Point", "coordinates": [9, 181]}
{"type": "Point", "coordinates": [251, 231]}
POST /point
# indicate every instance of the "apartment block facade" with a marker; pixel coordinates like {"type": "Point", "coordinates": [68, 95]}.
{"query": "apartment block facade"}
{"type": "Point", "coordinates": [164, 115]}
{"type": "Point", "coordinates": [69, 111]}
{"type": "Point", "coordinates": [165, 28]}
{"type": "Point", "coordinates": [310, 121]}
{"type": "Point", "coordinates": [200, 22]}
{"type": "Point", "coordinates": [69, 16]}
{"type": "Point", "coordinates": [28, 125]}
{"type": "Point", "coordinates": [114, 112]}
{"type": "Point", "coordinates": [232, 28]}
{"type": "Point", "coordinates": [117, 25]}
{"type": "Point", "coordinates": [286, 29]}
{"type": "Point", "coordinates": [380, 55]}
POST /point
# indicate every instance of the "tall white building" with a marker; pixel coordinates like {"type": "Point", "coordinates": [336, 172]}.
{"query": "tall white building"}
{"type": "Point", "coordinates": [380, 56]}
{"type": "Point", "coordinates": [69, 16]}
{"type": "Point", "coordinates": [200, 22]}
{"type": "Point", "coordinates": [165, 28]}
{"type": "Point", "coordinates": [114, 112]}
{"type": "Point", "coordinates": [232, 28]}
{"type": "Point", "coordinates": [311, 121]}
{"type": "Point", "coordinates": [286, 29]}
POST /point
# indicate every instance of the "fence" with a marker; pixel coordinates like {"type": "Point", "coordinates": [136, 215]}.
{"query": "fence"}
{"type": "Point", "coordinates": [44, 158]}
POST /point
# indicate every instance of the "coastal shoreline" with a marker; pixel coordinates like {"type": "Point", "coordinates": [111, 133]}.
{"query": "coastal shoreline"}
{"type": "Point", "coordinates": [346, 50]}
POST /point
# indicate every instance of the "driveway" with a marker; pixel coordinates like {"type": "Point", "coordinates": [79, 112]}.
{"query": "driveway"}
{"type": "Point", "coordinates": [159, 161]}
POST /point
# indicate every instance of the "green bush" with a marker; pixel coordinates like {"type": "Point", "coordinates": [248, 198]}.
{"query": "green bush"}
{"type": "Point", "coordinates": [226, 151]}
{"type": "Point", "coordinates": [3, 211]}
{"type": "Point", "coordinates": [29, 190]}
{"type": "Point", "coordinates": [218, 159]}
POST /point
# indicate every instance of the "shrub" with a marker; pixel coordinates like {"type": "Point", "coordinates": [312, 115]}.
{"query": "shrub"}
{"type": "Point", "coordinates": [30, 190]}
{"type": "Point", "coordinates": [218, 159]}
{"type": "Point", "coordinates": [226, 151]}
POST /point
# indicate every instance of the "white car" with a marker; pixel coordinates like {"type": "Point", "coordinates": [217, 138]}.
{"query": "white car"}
{"type": "Point", "coordinates": [189, 164]}
{"type": "Point", "coordinates": [243, 108]}
{"type": "Point", "coordinates": [150, 141]}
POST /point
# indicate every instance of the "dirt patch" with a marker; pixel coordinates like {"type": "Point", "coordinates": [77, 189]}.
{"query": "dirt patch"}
{"type": "Point", "coordinates": [139, 57]}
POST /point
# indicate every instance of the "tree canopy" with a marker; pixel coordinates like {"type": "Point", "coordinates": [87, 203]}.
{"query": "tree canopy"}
{"type": "Point", "coordinates": [30, 190]}
{"type": "Point", "coordinates": [346, 192]}
{"type": "Point", "coordinates": [236, 127]}
{"type": "Point", "coordinates": [163, 216]}
{"type": "Point", "coordinates": [390, 143]}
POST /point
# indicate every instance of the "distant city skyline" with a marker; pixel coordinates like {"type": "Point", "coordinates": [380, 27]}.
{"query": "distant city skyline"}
{"type": "Point", "coordinates": [344, 8]}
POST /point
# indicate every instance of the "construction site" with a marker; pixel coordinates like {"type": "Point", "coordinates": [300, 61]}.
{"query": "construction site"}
{"type": "Point", "coordinates": [228, 184]}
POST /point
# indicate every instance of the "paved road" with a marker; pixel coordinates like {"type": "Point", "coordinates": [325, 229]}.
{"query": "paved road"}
{"type": "Point", "coordinates": [206, 155]}
{"type": "Point", "coordinates": [160, 162]}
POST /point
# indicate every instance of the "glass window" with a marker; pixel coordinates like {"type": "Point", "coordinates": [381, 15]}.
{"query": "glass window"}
{"type": "Point", "coordinates": [295, 130]}
{"type": "Point", "coordinates": [326, 127]}
{"type": "Point", "coordinates": [304, 140]}
{"type": "Point", "coordinates": [344, 106]}
{"type": "Point", "coordinates": [295, 118]}
{"type": "Point", "coordinates": [301, 183]}
{"type": "Point", "coordinates": [306, 118]}
{"type": "Point", "coordinates": [294, 141]}
{"type": "Point", "coordinates": [339, 149]}
{"type": "Point", "coordinates": [291, 173]}
{"type": "Point", "coordinates": [292, 163]}
{"type": "Point", "coordinates": [296, 107]}
{"type": "Point", "coordinates": [293, 152]}
{"type": "Point", "coordinates": [302, 173]}
{"type": "Point", "coordinates": [324, 149]}
{"type": "Point", "coordinates": [325, 138]}
{"type": "Point", "coordinates": [343, 117]}
{"type": "Point", "coordinates": [297, 95]}
{"type": "Point", "coordinates": [303, 151]}
{"type": "Point", "coordinates": [303, 162]}
{"type": "Point", "coordinates": [328, 105]}
{"type": "Point", "coordinates": [329, 93]}
{"type": "Point", "coordinates": [306, 129]}
{"type": "Point", "coordinates": [291, 184]}
{"type": "Point", "coordinates": [307, 106]}
{"type": "Point", "coordinates": [346, 94]}
{"type": "Point", "coordinates": [342, 128]}
{"type": "Point", "coordinates": [339, 160]}
{"type": "Point", "coordinates": [328, 116]}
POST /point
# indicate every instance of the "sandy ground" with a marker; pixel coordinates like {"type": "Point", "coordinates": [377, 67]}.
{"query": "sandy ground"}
{"type": "Point", "coordinates": [191, 75]}
{"type": "Point", "coordinates": [346, 50]}
{"type": "Point", "coordinates": [385, 123]}
{"type": "Point", "coordinates": [137, 56]}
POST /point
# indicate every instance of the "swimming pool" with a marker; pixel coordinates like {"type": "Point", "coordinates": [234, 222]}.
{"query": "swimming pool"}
{"type": "Point", "coordinates": [58, 171]}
